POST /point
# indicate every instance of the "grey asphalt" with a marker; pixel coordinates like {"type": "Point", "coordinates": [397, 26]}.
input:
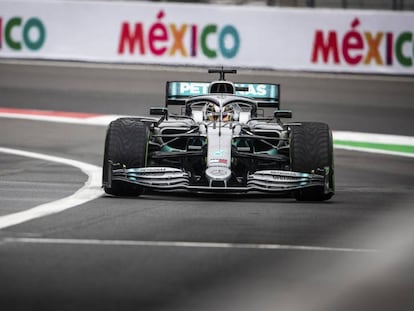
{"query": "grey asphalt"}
{"type": "Point", "coordinates": [371, 210]}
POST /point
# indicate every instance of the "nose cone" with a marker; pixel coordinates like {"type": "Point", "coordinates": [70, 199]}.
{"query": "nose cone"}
{"type": "Point", "coordinates": [218, 173]}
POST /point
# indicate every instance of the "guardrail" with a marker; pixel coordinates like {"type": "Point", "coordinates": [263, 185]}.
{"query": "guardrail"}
{"type": "Point", "coordinates": [339, 4]}
{"type": "Point", "coordinates": [342, 4]}
{"type": "Point", "coordinates": [355, 41]}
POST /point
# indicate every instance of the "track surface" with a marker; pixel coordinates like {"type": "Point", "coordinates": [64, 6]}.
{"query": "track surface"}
{"type": "Point", "coordinates": [91, 257]}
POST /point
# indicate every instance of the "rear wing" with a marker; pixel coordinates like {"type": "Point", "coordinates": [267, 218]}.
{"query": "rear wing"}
{"type": "Point", "coordinates": [267, 95]}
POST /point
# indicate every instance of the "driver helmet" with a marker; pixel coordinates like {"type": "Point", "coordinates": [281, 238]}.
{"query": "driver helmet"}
{"type": "Point", "coordinates": [231, 112]}
{"type": "Point", "coordinates": [212, 112]}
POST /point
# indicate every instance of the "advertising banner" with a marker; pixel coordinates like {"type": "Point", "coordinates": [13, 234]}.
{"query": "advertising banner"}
{"type": "Point", "coordinates": [327, 40]}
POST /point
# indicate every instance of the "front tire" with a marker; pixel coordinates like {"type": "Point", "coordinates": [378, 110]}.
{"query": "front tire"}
{"type": "Point", "coordinates": [126, 144]}
{"type": "Point", "coordinates": [311, 148]}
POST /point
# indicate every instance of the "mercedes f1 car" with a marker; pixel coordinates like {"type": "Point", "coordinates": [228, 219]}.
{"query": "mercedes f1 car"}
{"type": "Point", "coordinates": [220, 142]}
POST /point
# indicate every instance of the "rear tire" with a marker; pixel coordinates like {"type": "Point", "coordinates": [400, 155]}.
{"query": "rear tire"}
{"type": "Point", "coordinates": [311, 147]}
{"type": "Point", "coordinates": [126, 144]}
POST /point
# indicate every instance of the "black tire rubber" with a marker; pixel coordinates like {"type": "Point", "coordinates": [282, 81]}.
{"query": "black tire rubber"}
{"type": "Point", "coordinates": [311, 147]}
{"type": "Point", "coordinates": [125, 143]}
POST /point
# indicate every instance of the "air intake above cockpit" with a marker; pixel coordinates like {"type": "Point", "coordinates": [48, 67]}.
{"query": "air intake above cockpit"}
{"type": "Point", "coordinates": [223, 87]}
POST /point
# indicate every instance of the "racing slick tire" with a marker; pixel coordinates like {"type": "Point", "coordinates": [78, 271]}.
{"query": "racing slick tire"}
{"type": "Point", "coordinates": [126, 144]}
{"type": "Point", "coordinates": [311, 148]}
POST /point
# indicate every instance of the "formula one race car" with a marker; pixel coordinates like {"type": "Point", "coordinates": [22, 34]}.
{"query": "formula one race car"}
{"type": "Point", "coordinates": [220, 142]}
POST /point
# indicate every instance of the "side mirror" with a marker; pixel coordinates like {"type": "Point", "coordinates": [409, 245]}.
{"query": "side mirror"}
{"type": "Point", "coordinates": [159, 111]}
{"type": "Point", "coordinates": [278, 114]}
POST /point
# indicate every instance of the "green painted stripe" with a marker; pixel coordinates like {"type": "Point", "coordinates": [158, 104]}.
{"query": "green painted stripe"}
{"type": "Point", "coordinates": [378, 146]}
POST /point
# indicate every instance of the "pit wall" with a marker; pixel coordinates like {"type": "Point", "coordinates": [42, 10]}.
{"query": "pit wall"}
{"type": "Point", "coordinates": [323, 40]}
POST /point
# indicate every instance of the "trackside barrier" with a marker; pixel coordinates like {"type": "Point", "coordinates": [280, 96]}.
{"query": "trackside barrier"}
{"type": "Point", "coordinates": [327, 40]}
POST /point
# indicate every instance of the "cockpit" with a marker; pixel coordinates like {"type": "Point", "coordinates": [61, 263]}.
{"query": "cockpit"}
{"type": "Point", "coordinates": [226, 113]}
{"type": "Point", "coordinates": [210, 109]}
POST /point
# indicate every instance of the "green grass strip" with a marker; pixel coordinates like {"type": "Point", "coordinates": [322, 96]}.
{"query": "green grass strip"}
{"type": "Point", "coordinates": [378, 146]}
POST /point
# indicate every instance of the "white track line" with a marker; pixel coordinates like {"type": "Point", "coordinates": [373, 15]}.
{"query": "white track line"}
{"type": "Point", "coordinates": [103, 120]}
{"type": "Point", "coordinates": [375, 151]}
{"type": "Point", "coordinates": [90, 191]}
{"type": "Point", "coordinates": [249, 246]}
{"type": "Point", "coordinates": [374, 138]}
{"type": "Point", "coordinates": [385, 139]}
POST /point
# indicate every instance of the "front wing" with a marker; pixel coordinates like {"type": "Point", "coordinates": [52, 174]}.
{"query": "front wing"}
{"type": "Point", "coordinates": [167, 178]}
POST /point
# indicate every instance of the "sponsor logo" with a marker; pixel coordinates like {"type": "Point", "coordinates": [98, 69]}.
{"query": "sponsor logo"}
{"type": "Point", "coordinates": [172, 40]}
{"type": "Point", "coordinates": [18, 34]}
{"type": "Point", "coordinates": [358, 47]}
{"type": "Point", "coordinates": [200, 88]}
{"type": "Point", "coordinates": [218, 161]}
{"type": "Point", "coordinates": [257, 90]}
{"type": "Point", "coordinates": [191, 88]}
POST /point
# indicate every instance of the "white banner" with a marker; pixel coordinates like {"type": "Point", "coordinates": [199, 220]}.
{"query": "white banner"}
{"type": "Point", "coordinates": [183, 34]}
